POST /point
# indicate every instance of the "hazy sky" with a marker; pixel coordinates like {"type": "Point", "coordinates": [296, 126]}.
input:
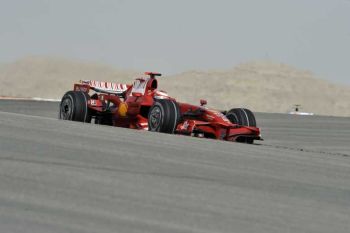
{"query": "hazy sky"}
{"type": "Point", "coordinates": [174, 36]}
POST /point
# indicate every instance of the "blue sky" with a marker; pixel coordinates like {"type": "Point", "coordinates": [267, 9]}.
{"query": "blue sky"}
{"type": "Point", "coordinates": [175, 36]}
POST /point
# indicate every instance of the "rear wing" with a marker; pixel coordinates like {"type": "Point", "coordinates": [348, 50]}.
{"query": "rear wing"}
{"type": "Point", "coordinates": [103, 87]}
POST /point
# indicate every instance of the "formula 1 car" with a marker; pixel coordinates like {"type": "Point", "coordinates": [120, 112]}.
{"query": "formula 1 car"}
{"type": "Point", "coordinates": [142, 106]}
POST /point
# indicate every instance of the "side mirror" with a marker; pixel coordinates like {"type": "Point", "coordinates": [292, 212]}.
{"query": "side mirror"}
{"type": "Point", "coordinates": [153, 74]}
{"type": "Point", "coordinates": [203, 102]}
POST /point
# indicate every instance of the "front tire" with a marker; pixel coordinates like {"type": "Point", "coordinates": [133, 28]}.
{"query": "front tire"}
{"type": "Point", "coordinates": [163, 116]}
{"type": "Point", "coordinates": [74, 107]}
{"type": "Point", "coordinates": [241, 116]}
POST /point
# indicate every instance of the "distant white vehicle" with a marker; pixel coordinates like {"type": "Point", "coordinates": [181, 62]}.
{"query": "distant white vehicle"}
{"type": "Point", "coordinates": [297, 112]}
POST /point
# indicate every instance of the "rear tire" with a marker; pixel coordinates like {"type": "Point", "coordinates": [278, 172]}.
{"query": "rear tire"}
{"type": "Point", "coordinates": [74, 107]}
{"type": "Point", "coordinates": [163, 116]}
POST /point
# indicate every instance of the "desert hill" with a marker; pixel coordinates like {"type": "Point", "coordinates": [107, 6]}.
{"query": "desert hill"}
{"type": "Point", "coordinates": [49, 77]}
{"type": "Point", "coordinates": [264, 87]}
{"type": "Point", "coordinates": [261, 86]}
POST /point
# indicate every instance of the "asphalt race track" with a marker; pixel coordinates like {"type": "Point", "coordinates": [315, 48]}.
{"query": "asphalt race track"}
{"type": "Point", "coordinates": [60, 176]}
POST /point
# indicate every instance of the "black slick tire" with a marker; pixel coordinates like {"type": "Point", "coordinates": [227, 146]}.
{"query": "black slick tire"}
{"type": "Point", "coordinates": [74, 107]}
{"type": "Point", "coordinates": [241, 116]}
{"type": "Point", "coordinates": [163, 116]}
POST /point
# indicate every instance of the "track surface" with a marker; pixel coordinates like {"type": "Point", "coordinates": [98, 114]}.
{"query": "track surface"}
{"type": "Point", "coordinates": [59, 176]}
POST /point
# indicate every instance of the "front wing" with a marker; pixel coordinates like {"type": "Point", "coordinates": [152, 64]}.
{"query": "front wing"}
{"type": "Point", "coordinates": [228, 132]}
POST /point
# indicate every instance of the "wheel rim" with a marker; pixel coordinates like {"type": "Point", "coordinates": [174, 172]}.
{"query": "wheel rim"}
{"type": "Point", "coordinates": [155, 118]}
{"type": "Point", "coordinates": [66, 109]}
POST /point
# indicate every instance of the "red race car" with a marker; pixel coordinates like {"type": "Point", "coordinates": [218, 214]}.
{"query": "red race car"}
{"type": "Point", "coordinates": [142, 106]}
